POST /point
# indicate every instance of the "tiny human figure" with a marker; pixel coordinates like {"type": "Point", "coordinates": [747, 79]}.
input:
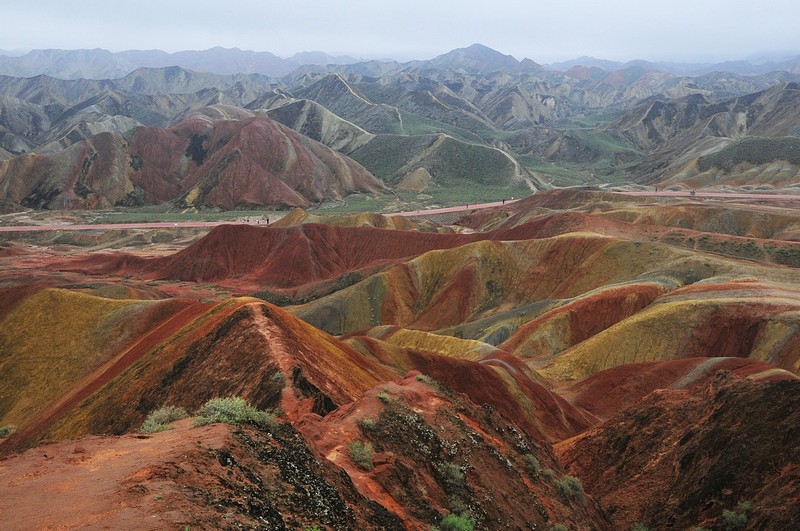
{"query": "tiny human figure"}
{"type": "Point", "coordinates": [504, 201]}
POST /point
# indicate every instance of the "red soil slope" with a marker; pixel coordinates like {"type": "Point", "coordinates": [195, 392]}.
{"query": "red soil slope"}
{"type": "Point", "coordinates": [680, 457]}
{"type": "Point", "coordinates": [612, 391]}
{"type": "Point", "coordinates": [277, 257]}
{"type": "Point", "coordinates": [437, 452]}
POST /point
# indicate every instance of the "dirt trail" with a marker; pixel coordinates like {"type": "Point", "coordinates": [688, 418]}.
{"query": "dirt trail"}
{"type": "Point", "coordinates": [105, 482]}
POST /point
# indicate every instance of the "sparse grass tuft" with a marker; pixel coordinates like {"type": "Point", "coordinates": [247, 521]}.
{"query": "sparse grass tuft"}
{"type": "Point", "coordinates": [361, 454]}
{"type": "Point", "coordinates": [367, 424]}
{"type": "Point", "coordinates": [737, 519]}
{"type": "Point", "coordinates": [452, 475]}
{"type": "Point", "coordinates": [159, 419]}
{"type": "Point", "coordinates": [570, 487]}
{"type": "Point", "coordinates": [384, 397]}
{"type": "Point", "coordinates": [430, 381]}
{"type": "Point", "coordinates": [233, 410]}
{"type": "Point", "coordinates": [454, 522]}
{"type": "Point", "coordinates": [734, 520]}
{"type": "Point", "coordinates": [532, 465]}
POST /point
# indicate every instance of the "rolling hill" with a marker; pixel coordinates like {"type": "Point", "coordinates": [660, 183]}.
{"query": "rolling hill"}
{"type": "Point", "coordinates": [199, 162]}
{"type": "Point", "coordinates": [559, 341]}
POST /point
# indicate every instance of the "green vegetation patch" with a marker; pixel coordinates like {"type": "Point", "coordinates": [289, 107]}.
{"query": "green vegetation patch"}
{"type": "Point", "coordinates": [456, 160]}
{"type": "Point", "coordinates": [384, 155]}
{"type": "Point", "coordinates": [754, 150]}
{"type": "Point", "coordinates": [532, 465]}
{"type": "Point", "coordinates": [448, 160]}
{"type": "Point", "coordinates": [160, 419]}
{"type": "Point", "coordinates": [233, 410]}
{"type": "Point", "coordinates": [570, 487]}
{"type": "Point", "coordinates": [455, 522]}
{"type": "Point", "coordinates": [361, 454]}
{"type": "Point", "coordinates": [737, 519]}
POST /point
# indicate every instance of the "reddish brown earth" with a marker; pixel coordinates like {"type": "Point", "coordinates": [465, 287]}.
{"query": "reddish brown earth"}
{"type": "Point", "coordinates": [680, 457]}
{"type": "Point", "coordinates": [421, 432]}
{"type": "Point", "coordinates": [211, 477]}
{"type": "Point", "coordinates": [612, 391]}
{"type": "Point", "coordinates": [243, 348]}
{"type": "Point", "coordinates": [258, 257]}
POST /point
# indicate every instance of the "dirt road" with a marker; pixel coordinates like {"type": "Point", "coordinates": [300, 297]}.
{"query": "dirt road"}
{"type": "Point", "coordinates": [410, 213]}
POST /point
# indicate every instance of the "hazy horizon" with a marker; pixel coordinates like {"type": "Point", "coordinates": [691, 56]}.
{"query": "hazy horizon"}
{"type": "Point", "coordinates": [677, 31]}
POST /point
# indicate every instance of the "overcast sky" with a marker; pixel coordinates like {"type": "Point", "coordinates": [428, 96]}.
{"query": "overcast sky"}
{"type": "Point", "coordinates": [545, 31]}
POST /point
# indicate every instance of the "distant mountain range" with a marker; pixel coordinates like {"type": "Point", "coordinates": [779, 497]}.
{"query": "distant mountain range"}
{"type": "Point", "coordinates": [742, 67]}
{"type": "Point", "coordinates": [103, 64]}
{"type": "Point", "coordinates": [99, 63]}
{"type": "Point", "coordinates": [469, 123]}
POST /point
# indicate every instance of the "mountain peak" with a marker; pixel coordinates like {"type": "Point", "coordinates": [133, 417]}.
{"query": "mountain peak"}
{"type": "Point", "coordinates": [476, 58]}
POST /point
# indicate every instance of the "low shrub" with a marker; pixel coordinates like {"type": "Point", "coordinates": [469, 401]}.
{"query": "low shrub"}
{"type": "Point", "coordinates": [570, 487]}
{"type": "Point", "coordinates": [452, 474]}
{"type": "Point", "coordinates": [367, 424]}
{"type": "Point", "coordinates": [384, 397]}
{"type": "Point", "coordinates": [737, 519]}
{"type": "Point", "coordinates": [454, 522]}
{"type": "Point", "coordinates": [5, 431]}
{"type": "Point", "coordinates": [159, 419]}
{"type": "Point", "coordinates": [233, 410]}
{"type": "Point", "coordinates": [734, 520]}
{"type": "Point", "coordinates": [361, 454]}
{"type": "Point", "coordinates": [532, 465]}
{"type": "Point", "coordinates": [430, 381]}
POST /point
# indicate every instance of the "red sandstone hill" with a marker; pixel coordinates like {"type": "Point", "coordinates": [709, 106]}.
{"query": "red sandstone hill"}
{"type": "Point", "coordinates": [199, 162]}
{"type": "Point", "coordinates": [278, 258]}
